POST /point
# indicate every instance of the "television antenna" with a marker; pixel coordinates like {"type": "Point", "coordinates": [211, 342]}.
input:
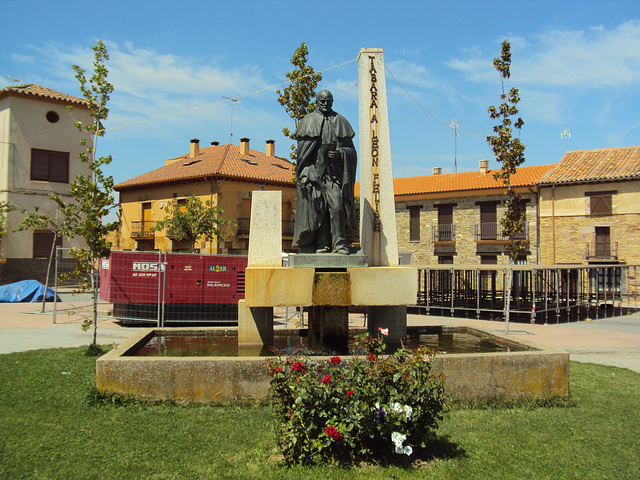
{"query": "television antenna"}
{"type": "Point", "coordinates": [233, 101]}
{"type": "Point", "coordinates": [565, 134]}
{"type": "Point", "coordinates": [453, 125]}
{"type": "Point", "coordinates": [15, 80]}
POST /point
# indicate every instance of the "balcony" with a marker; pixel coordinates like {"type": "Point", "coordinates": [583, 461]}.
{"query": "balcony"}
{"type": "Point", "coordinates": [142, 229]}
{"type": "Point", "coordinates": [492, 232]}
{"type": "Point", "coordinates": [443, 233]}
{"type": "Point", "coordinates": [601, 252]}
{"type": "Point", "coordinates": [244, 223]}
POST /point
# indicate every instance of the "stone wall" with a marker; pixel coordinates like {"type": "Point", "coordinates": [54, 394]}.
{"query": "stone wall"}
{"type": "Point", "coordinates": [466, 214]}
{"type": "Point", "coordinates": [572, 233]}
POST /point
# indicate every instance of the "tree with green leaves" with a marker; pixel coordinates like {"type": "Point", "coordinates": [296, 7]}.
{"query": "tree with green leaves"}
{"type": "Point", "coordinates": [192, 218]}
{"type": "Point", "coordinates": [82, 214]}
{"type": "Point", "coordinates": [509, 152]}
{"type": "Point", "coordinates": [298, 97]}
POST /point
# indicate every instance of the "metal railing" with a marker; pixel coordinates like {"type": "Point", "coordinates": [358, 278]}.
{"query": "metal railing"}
{"type": "Point", "coordinates": [493, 231]}
{"type": "Point", "coordinates": [142, 228]}
{"type": "Point", "coordinates": [604, 251]}
{"type": "Point", "coordinates": [245, 223]}
{"type": "Point", "coordinates": [444, 233]}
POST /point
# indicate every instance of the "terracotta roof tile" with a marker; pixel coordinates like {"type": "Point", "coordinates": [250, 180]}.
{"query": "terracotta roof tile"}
{"type": "Point", "coordinates": [33, 90]}
{"type": "Point", "coordinates": [220, 161]}
{"type": "Point", "coordinates": [596, 165]}
{"type": "Point", "coordinates": [464, 181]}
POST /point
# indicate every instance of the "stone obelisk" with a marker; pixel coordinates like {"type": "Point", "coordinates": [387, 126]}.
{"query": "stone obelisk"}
{"type": "Point", "coordinates": [378, 237]}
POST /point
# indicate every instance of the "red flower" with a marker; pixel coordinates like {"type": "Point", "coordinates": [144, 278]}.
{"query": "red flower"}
{"type": "Point", "coordinates": [349, 393]}
{"type": "Point", "coordinates": [326, 379]}
{"type": "Point", "coordinates": [299, 367]}
{"type": "Point", "coordinates": [333, 433]}
{"type": "Point", "coordinates": [371, 357]}
{"type": "Point", "coordinates": [335, 360]}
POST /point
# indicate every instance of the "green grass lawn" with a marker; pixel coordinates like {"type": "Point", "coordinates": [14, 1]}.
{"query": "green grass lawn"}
{"type": "Point", "coordinates": [48, 430]}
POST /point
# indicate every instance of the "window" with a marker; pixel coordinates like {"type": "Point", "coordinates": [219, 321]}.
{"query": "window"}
{"type": "Point", "coordinates": [52, 117]}
{"type": "Point", "coordinates": [600, 203]}
{"type": "Point", "coordinates": [488, 221]}
{"type": "Point", "coordinates": [445, 222]}
{"type": "Point", "coordinates": [445, 260]}
{"type": "Point", "coordinates": [414, 223]}
{"type": "Point", "coordinates": [488, 259]}
{"type": "Point", "coordinates": [49, 166]}
{"type": "Point", "coordinates": [42, 240]}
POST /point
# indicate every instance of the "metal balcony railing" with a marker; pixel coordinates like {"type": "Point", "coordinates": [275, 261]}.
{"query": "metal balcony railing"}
{"type": "Point", "coordinates": [444, 233]}
{"type": "Point", "coordinates": [244, 223]}
{"type": "Point", "coordinates": [603, 251]}
{"type": "Point", "coordinates": [142, 229]}
{"type": "Point", "coordinates": [492, 231]}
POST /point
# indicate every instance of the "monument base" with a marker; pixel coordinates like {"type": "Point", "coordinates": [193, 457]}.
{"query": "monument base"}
{"type": "Point", "coordinates": [328, 260]}
{"type": "Point", "coordinates": [329, 329]}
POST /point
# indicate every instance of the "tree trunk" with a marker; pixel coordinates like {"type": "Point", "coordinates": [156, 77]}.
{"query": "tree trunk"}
{"type": "Point", "coordinates": [46, 280]}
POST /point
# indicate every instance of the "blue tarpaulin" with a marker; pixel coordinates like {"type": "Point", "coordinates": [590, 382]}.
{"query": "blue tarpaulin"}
{"type": "Point", "coordinates": [25, 291]}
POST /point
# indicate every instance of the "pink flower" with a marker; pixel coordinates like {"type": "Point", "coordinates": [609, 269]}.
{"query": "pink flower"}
{"type": "Point", "coordinates": [326, 379]}
{"type": "Point", "coordinates": [349, 393]}
{"type": "Point", "coordinates": [335, 360]}
{"type": "Point", "coordinates": [384, 331]}
{"type": "Point", "coordinates": [426, 358]}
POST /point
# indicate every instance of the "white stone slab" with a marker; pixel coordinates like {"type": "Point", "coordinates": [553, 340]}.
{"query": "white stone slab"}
{"type": "Point", "coordinates": [265, 240]}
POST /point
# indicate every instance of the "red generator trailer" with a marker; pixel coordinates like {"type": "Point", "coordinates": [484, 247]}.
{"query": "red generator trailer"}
{"type": "Point", "coordinates": [173, 287]}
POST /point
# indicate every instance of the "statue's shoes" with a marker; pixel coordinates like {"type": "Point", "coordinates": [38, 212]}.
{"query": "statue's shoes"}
{"type": "Point", "coordinates": [342, 251]}
{"type": "Point", "coordinates": [323, 250]}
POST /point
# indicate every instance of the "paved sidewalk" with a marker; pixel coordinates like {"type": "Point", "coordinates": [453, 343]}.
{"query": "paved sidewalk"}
{"type": "Point", "coordinates": [610, 341]}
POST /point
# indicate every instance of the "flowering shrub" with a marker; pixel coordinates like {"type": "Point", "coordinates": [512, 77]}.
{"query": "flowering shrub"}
{"type": "Point", "coordinates": [372, 406]}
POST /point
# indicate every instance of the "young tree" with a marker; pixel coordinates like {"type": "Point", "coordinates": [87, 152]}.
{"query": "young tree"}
{"type": "Point", "coordinates": [509, 151]}
{"type": "Point", "coordinates": [297, 97]}
{"type": "Point", "coordinates": [191, 219]}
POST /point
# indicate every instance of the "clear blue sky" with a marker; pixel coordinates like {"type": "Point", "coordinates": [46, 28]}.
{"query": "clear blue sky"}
{"type": "Point", "coordinates": [577, 65]}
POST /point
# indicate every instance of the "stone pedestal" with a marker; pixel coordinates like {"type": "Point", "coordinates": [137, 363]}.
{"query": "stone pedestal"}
{"type": "Point", "coordinates": [329, 329]}
{"type": "Point", "coordinates": [392, 317]}
{"type": "Point", "coordinates": [255, 325]}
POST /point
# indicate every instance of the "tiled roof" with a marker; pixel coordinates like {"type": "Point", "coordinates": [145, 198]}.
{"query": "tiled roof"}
{"type": "Point", "coordinates": [600, 164]}
{"type": "Point", "coordinates": [464, 181]}
{"type": "Point", "coordinates": [33, 90]}
{"type": "Point", "coordinates": [219, 161]}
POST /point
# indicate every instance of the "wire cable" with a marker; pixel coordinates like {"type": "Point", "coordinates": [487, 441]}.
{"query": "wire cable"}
{"type": "Point", "coordinates": [227, 100]}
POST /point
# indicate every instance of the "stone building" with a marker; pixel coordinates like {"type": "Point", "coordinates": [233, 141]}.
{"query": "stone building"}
{"type": "Point", "coordinates": [590, 208]}
{"type": "Point", "coordinates": [39, 148]}
{"type": "Point", "coordinates": [224, 174]}
{"type": "Point", "coordinates": [455, 217]}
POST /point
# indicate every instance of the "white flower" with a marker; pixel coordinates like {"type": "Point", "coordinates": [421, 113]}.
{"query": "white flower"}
{"type": "Point", "coordinates": [408, 411]}
{"type": "Point", "coordinates": [398, 438]}
{"type": "Point", "coordinates": [383, 331]}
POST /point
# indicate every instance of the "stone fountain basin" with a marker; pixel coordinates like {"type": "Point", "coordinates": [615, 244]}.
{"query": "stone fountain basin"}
{"type": "Point", "coordinates": [536, 373]}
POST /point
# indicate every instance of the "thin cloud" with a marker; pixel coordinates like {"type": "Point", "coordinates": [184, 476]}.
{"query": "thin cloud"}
{"type": "Point", "coordinates": [591, 58]}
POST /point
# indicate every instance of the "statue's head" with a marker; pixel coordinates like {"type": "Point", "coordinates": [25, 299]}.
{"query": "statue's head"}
{"type": "Point", "coordinates": [324, 101]}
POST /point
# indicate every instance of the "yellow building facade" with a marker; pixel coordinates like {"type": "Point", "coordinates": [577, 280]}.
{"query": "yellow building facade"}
{"type": "Point", "coordinates": [226, 175]}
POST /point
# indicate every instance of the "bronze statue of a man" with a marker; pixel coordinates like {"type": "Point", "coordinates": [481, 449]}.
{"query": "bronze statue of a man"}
{"type": "Point", "coordinates": [326, 172]}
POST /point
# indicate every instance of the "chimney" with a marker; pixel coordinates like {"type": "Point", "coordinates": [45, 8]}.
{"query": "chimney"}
{"type": "Point", "coordinates": [484, 167]}
{"type": "Point", "coordinates": [271, 148]}
{"type": "Point", "coordinates": [244, 146]}
{"type": "Point", "coordinates": [195, 148]}
{"type": "Point", "coordinates": [215, 144]}
{"type": "Point", "coordinates": [437, 170]}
